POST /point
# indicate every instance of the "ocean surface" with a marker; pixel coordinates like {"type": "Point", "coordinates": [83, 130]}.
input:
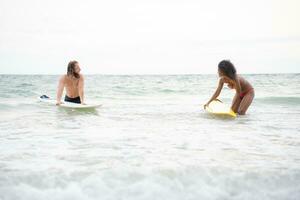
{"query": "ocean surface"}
{"type": "Point", "coordinates": [150, 140]}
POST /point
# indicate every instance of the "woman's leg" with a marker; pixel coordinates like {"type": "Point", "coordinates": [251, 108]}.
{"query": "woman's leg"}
{"type": "Point", "coordinates": [236, 103]}
{"type": "Point", "coordinates": [246, 102]}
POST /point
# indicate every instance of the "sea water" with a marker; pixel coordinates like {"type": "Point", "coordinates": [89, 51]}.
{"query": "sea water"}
{"type": "Point", "coordinates": [150, 140]}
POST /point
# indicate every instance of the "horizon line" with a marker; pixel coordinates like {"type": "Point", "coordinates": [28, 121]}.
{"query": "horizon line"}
{"type": "Point", "coordinates": [175, 74]}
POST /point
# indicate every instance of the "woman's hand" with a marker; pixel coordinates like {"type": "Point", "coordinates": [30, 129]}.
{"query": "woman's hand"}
{"type": "Point", "coordinates": [206, 105]}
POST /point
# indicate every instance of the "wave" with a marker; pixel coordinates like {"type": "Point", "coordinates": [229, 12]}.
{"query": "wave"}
{"type": "Point", "coordinates": [280, 100]}
{"type": "Point", "coordinates": [168, 91]}
{"type": "Point", "coordinates": [143, 183]}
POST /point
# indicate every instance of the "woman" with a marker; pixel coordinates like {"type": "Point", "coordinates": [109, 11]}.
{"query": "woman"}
{"type": "Point", "coordinates": [244, 90]}
{"type": "Point", "coordinates": [73, 81]}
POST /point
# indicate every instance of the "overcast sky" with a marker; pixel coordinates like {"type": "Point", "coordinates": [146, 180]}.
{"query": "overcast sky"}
{"type": "Point", "coordinates": [149, 37]}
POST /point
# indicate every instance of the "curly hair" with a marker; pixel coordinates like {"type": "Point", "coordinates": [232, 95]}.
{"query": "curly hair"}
{"type": "Point", "coordinates": [228, 69]}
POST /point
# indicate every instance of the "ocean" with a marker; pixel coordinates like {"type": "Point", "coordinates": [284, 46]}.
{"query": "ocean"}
{"type": "Point", "coordinates": [150, 140]}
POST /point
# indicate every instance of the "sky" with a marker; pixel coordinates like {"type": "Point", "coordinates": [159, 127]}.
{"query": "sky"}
{"type": "Point", "coordinates": [149, 37]}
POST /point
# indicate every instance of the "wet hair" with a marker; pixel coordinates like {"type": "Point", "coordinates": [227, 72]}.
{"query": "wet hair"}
{"type": "Point", "coordinates": [71, 69]}
{"type": "Point", "coordinates": [228, 69]}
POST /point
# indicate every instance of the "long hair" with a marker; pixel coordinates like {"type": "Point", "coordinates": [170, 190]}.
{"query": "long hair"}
{"type": "Point", "coordinates": [228, 69]}
{"type": "Point", "coordinates": [71, 69]}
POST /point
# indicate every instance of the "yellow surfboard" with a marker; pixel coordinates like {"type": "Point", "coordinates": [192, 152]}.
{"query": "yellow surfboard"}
{"type": "Point", "coordinates": [217, 107]}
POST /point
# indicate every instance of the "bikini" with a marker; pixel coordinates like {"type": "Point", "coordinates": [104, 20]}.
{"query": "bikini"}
{"type": "Point", "coordinates": [243, 94]}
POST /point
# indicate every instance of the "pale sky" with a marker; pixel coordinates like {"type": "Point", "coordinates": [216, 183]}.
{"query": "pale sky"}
{"type": "Point", "coordinates": [149, 37]}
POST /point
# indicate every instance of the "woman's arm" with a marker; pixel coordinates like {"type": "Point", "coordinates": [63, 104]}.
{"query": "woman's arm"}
{"type": "Point", "coordinates": [217, 92]}
{"type": "Point", "coordinates": [60, 89]}
{"type": "Point", "coordinates": [81, 89]}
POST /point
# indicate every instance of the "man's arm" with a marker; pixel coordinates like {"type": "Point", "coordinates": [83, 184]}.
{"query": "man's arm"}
{"type": "Point", "coordinates": [81, 89]}
{"type": "Point", "coordinates": [60, 89]}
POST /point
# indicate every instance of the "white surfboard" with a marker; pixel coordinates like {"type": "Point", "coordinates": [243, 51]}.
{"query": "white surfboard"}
{"type": "Point", "coordinates": [51, 101]}
{"type": "Point", "coordinates": [217, 107]}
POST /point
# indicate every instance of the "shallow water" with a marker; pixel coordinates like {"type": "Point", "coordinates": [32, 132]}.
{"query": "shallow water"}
{"type": "Point", "coordinates": [150, 140]}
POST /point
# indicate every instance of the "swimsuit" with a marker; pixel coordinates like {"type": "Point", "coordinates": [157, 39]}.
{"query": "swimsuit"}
{"type": "Point", "coordinates": [73, 100]}
{"type": "Point", "coordinates": [242, 94]}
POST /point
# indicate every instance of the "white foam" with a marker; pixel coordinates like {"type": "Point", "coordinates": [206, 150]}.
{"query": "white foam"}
{"type": "Point", "coordinates": [144, 183]}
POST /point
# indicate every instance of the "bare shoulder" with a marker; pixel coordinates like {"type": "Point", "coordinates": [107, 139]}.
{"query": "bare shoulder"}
{"type": "Point", "coordinates": [222, 79]}
{"type": "Point", "coordinates": [240, 77]}
{"type": "Point", "coordinates": [81, 78]}
{"type": "Point", "coordinates": [243, 81]}
{"type": "Point", "coordinates": [63, 78]}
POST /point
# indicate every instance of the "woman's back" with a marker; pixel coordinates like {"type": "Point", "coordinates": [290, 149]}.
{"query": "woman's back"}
{"type": "Point", "coordinates": [245, 85]}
